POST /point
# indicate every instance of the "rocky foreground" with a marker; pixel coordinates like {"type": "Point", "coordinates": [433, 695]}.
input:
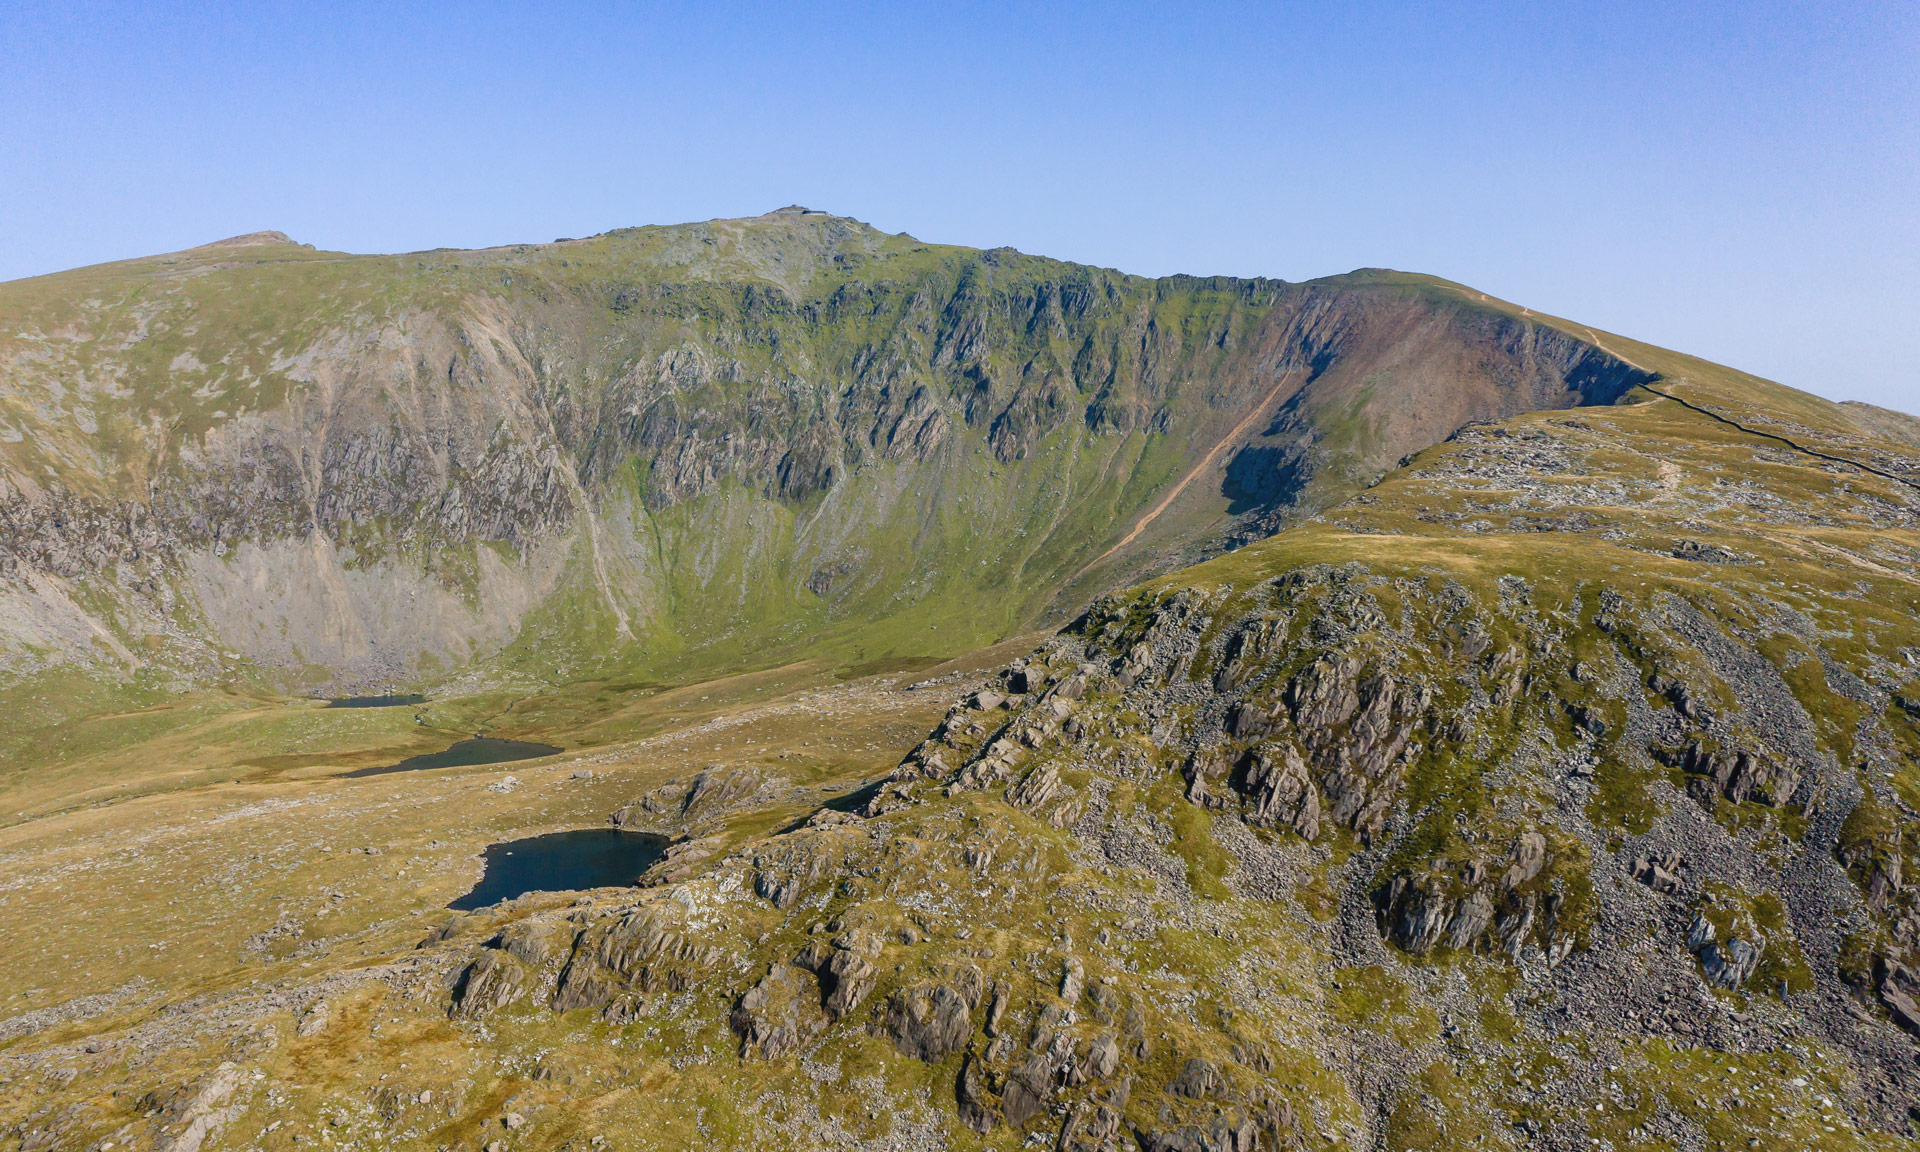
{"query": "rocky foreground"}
{"type": "Point", "coordinates": [1556, 792]}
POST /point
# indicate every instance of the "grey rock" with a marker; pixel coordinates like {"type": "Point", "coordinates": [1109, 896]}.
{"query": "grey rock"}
{"type": "Point", "coordinates": [1729, 964]}
{"type": "Point", "coordinates": [1200, 1080]}
{"type": "Point", "coordinates": [493, 980]}
{"type": "Point", "coordinates": [1528, 857]}
{"type": "Point", "coordinates": [1102, 1059]}
{"type": "Point", "coordinates": [1028, 1092]}
{"type": "Point", "coordinates": [849, 978]}
{"type": "Point", "coordinates": [1073, 979]}
{"type": "Point", "coordinates": [1280, 791]}
{"type": "Point", "coordinates": [978, 1105]}
{"type": "Point", "coordinates": [775, 1017]}
{"type": "Point", "coordinates": [928, 1022]}
{"type": "Point", "coordinates": [997, 1009]}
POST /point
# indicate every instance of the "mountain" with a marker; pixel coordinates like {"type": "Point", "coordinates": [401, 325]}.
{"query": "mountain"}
{"type": "Point", "coordinates": [696, 447]}
{"type": "Point", "coordinates": [1531, 758]}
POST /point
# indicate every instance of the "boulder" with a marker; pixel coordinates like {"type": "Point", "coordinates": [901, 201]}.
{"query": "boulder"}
{"type": "Point", "coordinates": [1658, 872]}
{"type": "Point", "coordinates": [928, 1022]}
{"type": "Point", "coordinates": [1028, 1091]}
{"type": "Point", "coordinates": [1206, 767]}
{"type": "Point", "coordinates": [1729, 964]}
{"type": "Point", "coordinates": [997, 1009]}
{"type": "Point", "coordinates": [846, 980]}
{"type": "Point", "coordinates": [1073, 980]}
{"type": "Point", "coordinates": [1725, 963]}
{"type": "Point", "coordinates": [1102, 1059]}
{"type": "Point", "coordinates": [1528, 857]}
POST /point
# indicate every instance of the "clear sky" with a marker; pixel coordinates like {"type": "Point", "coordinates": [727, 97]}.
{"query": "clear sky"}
{"type": "Point", "coordinates": [1737, 180]}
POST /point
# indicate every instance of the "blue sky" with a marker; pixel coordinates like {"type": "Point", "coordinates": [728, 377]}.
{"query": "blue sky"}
{"type": "Point", "coordinates": [1739, 181]}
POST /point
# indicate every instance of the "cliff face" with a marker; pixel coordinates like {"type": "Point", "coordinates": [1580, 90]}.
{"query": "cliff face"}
{"type": "Point", "coordinates": [685, 446]}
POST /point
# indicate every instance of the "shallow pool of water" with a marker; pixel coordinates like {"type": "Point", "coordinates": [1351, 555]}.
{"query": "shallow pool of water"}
{"type": "Point", "coordinates": [563, 862]}
{"type": "Point", "coordinates": [479, 750]}
{"type": "Point", "coordinates": [376, 701]}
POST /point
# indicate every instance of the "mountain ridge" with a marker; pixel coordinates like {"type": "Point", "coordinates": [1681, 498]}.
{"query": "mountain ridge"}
{"type": "Point", "coordinates": [1530, 760]}
{"type": "Point", "coordinates": [516, 328]}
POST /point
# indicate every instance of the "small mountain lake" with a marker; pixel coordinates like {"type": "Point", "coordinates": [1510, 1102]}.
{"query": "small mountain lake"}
{"type": "Point", "coordinates": [464, 753]}
{"type": "Point", "coordinates": [376, 701]}
{"type": "Point", "coordinates": [563, 862]}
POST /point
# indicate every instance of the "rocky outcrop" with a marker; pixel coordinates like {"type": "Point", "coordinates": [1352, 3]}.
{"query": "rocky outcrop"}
{"type": "Point", "coordinates": [1738, 774]}
{"type": "Point", "coordinates": [711, 793]}
{"type": "Point", "coordinates": [1278, 789]}
{"type": "Point", "coordinates": [928, 1022]}
{"type": "Point", "coordinates": [1310, 706]}
{"type": "Point", "coordinates": [492, 981]}
{"type": "Point", "coordinates": [1899, 991]}
{"type": "Point", "coordinates": [1879, 844]}
{"type": "Point", "coordinates": [845, 970]}
{"type": "Point", "coordinates": [623, 959]}
{"type": "Point", "coordinates": [1457, 905]}
{"type": "Point", "coordinates": [1727, 963]}
{"type": "Point", "coordinates": [785, 870]}
{"type": "Point", "coordinates": [776, 1016]}
{"type": "Point", "coordinates": [612, 962]}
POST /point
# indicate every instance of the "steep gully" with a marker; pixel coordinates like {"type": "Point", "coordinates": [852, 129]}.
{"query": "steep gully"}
{"type": "Point", "coordinates": [1258, 412]}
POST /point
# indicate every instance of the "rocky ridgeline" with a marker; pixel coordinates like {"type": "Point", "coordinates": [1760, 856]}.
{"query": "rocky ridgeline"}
{"type": "Point", "coordinates": [1308, 714]}
{"type": "Point", "coordinates": [1310, 705]}
{"type": "Point", "coordinates": [1617, 799]}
